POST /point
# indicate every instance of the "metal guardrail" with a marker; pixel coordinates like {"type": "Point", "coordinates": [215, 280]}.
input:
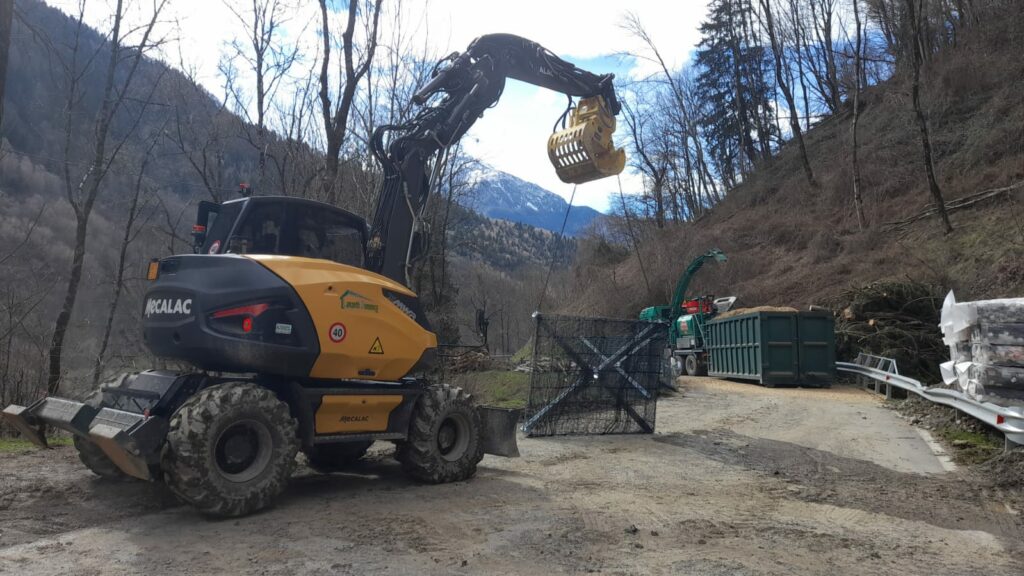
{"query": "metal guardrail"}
{"type": "Point", "coordinates": [884, 373]}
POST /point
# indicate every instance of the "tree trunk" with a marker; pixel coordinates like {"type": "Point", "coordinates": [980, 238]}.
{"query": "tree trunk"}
{"type": "Point", "coordinates": [922, 121]}
{"type": "Point", "coordinates": [115, 297]}
{"type": "Point", "coordinates": [858, 202]}
{"type": "Point", "coordinates": [60, 327]}
{"type": "Point", "coordinates": [787, 93]}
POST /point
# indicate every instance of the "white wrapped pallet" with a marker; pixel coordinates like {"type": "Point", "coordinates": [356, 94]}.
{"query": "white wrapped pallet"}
{"type": "Point", "coordinates": [986, 347]}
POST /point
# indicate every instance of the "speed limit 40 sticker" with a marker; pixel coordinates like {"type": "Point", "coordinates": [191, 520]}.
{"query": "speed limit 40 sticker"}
{"type": "Point", "coordinates": [337, 332]}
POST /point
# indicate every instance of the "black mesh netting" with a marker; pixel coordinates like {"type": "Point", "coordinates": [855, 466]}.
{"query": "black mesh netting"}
{"type": "Point", "coordinates": [594, 376]}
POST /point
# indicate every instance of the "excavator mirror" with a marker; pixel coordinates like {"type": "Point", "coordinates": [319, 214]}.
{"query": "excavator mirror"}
{"type": "Point", "coordinates": [584, 151]}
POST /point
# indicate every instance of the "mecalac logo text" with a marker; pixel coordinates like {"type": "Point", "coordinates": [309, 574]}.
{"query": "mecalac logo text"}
{"type": "Point", "coordinates": [162, 306]}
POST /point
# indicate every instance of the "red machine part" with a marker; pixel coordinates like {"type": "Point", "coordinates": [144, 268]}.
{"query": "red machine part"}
{"type": "Point", "coordinates": [704, 304]}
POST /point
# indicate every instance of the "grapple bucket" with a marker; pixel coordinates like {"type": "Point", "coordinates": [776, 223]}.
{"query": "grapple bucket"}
{"type": "Point", "coordinates": [584, 151]}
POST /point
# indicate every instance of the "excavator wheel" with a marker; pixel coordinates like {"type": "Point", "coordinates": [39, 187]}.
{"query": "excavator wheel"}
{"type": "Point", "coordinates": [230, 449]}
{"type": "Point", "coordinates": [327, 458]}
{"type": "Point", "coordinates": [444, 442]}
{"type": "Point", "coordinates": [92, 455]}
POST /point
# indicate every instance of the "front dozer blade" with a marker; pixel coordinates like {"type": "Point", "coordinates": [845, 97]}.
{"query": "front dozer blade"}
{"type": "Point", "coordinates": [584, 151]}
{"type": "Point", "coordinates": [499, 430]}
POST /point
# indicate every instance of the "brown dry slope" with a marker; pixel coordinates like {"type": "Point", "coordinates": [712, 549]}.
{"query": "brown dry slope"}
{"type": "Point", "coordinates": [740, 480]}
{"type": "Point", "coordinates": [789, 245]}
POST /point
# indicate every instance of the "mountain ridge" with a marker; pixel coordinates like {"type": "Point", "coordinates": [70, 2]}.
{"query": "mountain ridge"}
{"type": "Point", "coordinates": [503, 196]}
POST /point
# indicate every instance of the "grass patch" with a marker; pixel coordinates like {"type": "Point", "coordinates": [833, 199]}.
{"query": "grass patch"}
{"type": "Point", "coordinates": [499, 388]}
{"type": "Point", "coordinates": [8, 445]}
{"type": "Point", "coordinates": [970, 447]}
{"type": "Point", "coordinates": [523, 354]}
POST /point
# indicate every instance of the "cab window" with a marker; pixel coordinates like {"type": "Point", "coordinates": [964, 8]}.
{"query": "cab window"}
{"type": "Point", "coordinates": [260, 231]}
{"type": "Point", "coordinates": [322, 234]}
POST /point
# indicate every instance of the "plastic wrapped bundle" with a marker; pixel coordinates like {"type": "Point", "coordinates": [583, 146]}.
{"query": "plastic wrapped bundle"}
{"type": "Point", "coordinates": [1002, 333]}
{"type": "Point", "coordinates": [1002, 385]}
{"type": "Point", "coordinates": [997, 354]}
{"type": "Point", "coordinates": [986, 347]}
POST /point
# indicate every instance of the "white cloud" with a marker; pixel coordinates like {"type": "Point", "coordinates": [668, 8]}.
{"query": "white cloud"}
{"type": "Point", "coordinates": [511, 137]}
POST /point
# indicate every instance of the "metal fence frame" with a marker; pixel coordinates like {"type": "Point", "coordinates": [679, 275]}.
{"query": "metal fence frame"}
{"type": "Point", "coordinates": [591, 368]}
{"type": "Point", "coordinates": [885, 374]}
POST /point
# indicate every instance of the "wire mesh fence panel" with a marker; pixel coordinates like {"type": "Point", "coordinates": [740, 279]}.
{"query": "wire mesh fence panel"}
{"type": "Point", "coordinates": [594, 376]}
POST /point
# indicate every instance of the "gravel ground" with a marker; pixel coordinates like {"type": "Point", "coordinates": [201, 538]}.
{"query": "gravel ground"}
{"type": "Point", "coordinates": [739, 480]}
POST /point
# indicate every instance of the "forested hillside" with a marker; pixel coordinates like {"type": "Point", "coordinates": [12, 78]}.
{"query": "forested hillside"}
{"type": "Point", "coordinates": [789, 222]}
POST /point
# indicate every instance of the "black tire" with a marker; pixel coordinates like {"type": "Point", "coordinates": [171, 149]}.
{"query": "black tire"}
{"type": "Point", "coordinates": [327, 458]}
{"type": "Point", "coordinates": [444, 443]}
{"type": "Point", "coordinates": [692, 366]}
{"type": "Point", "coordinates": [695, 367]}
{"type": "Point", "coordinates": [230, 449]}
{"type": "Point", "coordinates": [94, 458]}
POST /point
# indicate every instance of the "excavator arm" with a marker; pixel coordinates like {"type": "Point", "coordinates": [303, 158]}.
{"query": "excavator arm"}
{"type": "Point", "coordinates": [684, 281]}
{"type": "Point", "coordinates": [463, 85]}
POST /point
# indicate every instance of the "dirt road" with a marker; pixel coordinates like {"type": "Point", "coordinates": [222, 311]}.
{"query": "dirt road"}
{"type": "Point", "coordinates": [739, 480]}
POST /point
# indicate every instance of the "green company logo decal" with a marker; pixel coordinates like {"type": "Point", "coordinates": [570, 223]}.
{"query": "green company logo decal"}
{"type": "Point", "coordinates": [355, 301]}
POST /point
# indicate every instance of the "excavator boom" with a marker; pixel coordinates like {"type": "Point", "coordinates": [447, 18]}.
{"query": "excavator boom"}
{"type": "Point", "coordinates": [462, 86]}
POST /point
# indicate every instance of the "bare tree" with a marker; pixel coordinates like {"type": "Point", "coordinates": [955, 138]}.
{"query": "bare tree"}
{"type": "Point", "coordinates": [858, 201]}
{"type": "Point", "coordinates": [122, 67]}
{"type": "Point", "coordinates": [916, 46]}
{"type": "Point", "coordinates": [6, 21]}
{"type": "Point", "coordinates": [201, 133]}
{"type": "Point", "coordinates": [781, 72]}
{"type": "Point", "coordinates": [135, 221]}
{"type": "Point", "coordinates": [678, 133]}
{"type": "Point", "coordinates": [821, 54]}
{"type": "Point", "coordinates": [350, 72]}
{"type": "Point", "coordinates": [266, 54]}
{"type": "Point", "coordinates": [651, 162]}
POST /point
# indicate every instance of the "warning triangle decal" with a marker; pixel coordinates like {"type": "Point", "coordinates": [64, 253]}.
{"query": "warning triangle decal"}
{"type": "Point", "coordinates": [377, 348]}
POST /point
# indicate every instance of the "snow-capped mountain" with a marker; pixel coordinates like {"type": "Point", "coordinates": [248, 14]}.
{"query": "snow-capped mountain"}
{"type": "Point", "coordinates": [500, 195]}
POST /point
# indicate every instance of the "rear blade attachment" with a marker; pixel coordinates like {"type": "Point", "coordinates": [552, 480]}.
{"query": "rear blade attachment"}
{"type": "Point", "coordinates": [584, 151]}
{"type": "Point", "coordinates": [21, 418]}
{"type": "Point", "coordinates": [499, 430]}
{"type": "Point", "coordinates": [128, 422]}
{"type": "Point", "coordinates": [68, 415]}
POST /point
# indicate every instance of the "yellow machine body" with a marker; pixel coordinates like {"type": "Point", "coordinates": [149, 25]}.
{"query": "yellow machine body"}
{"type": "Point", "coordinates": [585, 151]}
{"type": "Point", "coordinates": [363, 333]}
{"type": "Point", "coordinates": [340, 414]}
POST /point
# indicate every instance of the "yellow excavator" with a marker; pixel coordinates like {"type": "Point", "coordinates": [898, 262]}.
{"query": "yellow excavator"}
{"type": "Point", "coordinates": [300, 325]}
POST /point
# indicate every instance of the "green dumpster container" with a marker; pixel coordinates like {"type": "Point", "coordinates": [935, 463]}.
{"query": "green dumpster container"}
{"type": "Point", "coordinates": [773, 348]}
{"type": "Point", "coordinates": [816, 333]}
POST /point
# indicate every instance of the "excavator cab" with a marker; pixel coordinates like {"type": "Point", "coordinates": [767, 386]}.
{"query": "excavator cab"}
{"type": "Point", "coordinates": [282, 226]}
{"type": "Point", "coordinates": [585, 151]}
